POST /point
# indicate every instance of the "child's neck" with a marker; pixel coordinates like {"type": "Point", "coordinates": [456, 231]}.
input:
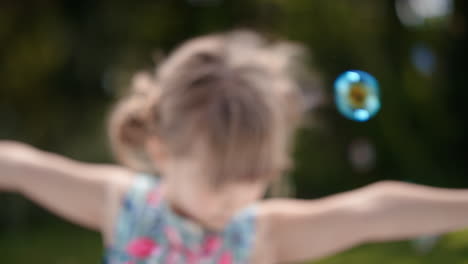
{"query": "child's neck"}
{"type": "Point", "coordinates": [192, 210]}
{"type": "Point", "coordinates": [179, 211]}
{"type": "Point", "coordinates": [192, 196]}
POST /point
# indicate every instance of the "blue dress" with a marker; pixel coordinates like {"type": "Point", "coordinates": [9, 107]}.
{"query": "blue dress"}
{"type": "Point", "coordinates": [148, 231]}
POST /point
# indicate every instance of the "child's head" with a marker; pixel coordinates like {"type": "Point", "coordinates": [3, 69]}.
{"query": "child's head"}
{"type": "Point", "coordinates": [221, 125]}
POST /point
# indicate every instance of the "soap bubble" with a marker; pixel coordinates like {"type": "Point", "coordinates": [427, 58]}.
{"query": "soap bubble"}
{"type": "Point", "coordinates": [357, 95]}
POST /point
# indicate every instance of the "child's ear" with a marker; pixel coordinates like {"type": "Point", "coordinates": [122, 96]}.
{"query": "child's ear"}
{"type": "Point", "coordinates": [156, 151]}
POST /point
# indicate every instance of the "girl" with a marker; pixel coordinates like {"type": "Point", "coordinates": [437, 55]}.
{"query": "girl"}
{"type": "Point", "coordinates": [218, 130]}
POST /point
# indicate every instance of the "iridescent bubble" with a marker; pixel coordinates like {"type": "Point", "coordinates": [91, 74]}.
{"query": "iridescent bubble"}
{"type": "Point", "coordinates": [357, 95]}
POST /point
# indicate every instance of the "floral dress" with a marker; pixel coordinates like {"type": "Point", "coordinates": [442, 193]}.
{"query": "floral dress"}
{"type": "Point", "coordinates": [149, 232]}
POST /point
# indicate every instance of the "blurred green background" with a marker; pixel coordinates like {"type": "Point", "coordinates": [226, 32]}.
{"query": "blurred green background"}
{"type": "Point", "coordinates": [63, 63]}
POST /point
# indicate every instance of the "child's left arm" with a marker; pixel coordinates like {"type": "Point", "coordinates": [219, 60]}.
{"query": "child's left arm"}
{"type": "Point", "coordinates": [295, 230]}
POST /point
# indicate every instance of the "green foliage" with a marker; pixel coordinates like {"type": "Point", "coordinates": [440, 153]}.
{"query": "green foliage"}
{"type": "Point", "coordinates": [51, 244]}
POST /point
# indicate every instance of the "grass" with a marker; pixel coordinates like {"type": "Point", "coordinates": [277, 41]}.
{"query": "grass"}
{"type": "Point", "coordinates": [66, 244]}
{"type": "Point", "coordinates": [450, 249]}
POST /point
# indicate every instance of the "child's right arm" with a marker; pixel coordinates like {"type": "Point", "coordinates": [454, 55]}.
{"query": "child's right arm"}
{"type": "Point", "coordinates": [86, 194]}
{"type": "Point", "coordinates": [294, 230]}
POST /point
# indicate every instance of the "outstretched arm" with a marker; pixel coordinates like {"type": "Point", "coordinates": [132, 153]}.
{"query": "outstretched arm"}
{"type": "Point", "coordinates": [85, 194]}
{"type": "Point", "coordinates": [300, 230]}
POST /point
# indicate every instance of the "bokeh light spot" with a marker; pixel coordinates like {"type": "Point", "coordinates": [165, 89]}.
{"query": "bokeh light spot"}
{"type": "Point", "coordinates": [416, 13]}
{"type": "Point", "coordinates": [423, 59]}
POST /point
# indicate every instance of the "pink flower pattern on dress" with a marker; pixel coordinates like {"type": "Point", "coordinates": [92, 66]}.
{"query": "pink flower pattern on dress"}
{"type": "Point", "coordinates": [142, 247]}
{"type": "Point", "coordinates": [226, 258]}
{"type": "Point", "coordinates": [211, 245]}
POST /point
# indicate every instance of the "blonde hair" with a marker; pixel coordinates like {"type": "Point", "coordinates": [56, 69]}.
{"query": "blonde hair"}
{"type": "Point", "coordinates": [230, 91]}
{"type": "Point", "coordinates": [127, 126]}
{"type": "Point", "coordinates": [237, 92]}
